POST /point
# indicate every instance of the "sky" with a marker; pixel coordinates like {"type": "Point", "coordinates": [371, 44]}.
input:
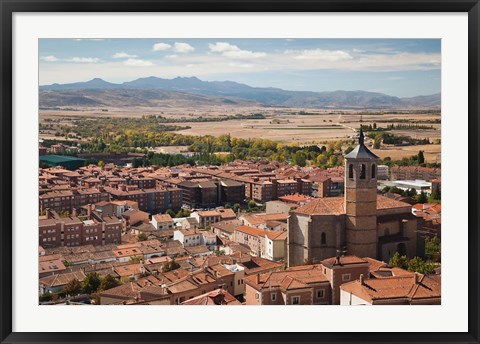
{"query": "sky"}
{"type": "Point", "coordinates": [397, 67]}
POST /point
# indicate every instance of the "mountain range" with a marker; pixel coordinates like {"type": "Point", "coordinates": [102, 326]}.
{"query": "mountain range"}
{"type": "Point", "coordinates": [150, 91]}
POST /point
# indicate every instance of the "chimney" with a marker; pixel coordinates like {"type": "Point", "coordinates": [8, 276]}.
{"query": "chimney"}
{"type": "Point", "coordinates": [417, 278]}
{"type": "Point", "coordinates": [362, 282]}
{"type": "Point", "coordinates": [257, 278]}
{"type": "Point", "coordinates": [47, 213]}
{"type": "Point", "coordinates": [89, 211]}
{"type": "Point", "coordinates": [337, 259]}
{"type": "Point", "coordinates": [74, 212]}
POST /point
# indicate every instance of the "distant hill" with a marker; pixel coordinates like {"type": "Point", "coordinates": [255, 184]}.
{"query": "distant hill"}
{"type": "Point", "coordinates": [131, 98]}
{"type": "Point", "coordinates": [92, 93]}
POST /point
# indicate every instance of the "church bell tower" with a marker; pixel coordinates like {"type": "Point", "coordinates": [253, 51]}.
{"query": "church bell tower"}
{"type": "Point", "coordinates": [361, 201]}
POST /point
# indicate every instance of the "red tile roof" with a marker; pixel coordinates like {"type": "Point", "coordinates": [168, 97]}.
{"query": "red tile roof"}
{"type": "Point", "coordinates": [399, 289]}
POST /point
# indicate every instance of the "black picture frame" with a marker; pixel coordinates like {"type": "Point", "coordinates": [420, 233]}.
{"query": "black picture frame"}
{"type": "Point", "coordinates": [9, 7]}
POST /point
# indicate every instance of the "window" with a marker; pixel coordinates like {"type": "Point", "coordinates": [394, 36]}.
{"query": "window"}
{"type": "Point", "coordinates": [373, 170]}
{"type": "Point", "coordinates": [346, 277]}
{"type": "Point", "coordinates": [295, 300]}
{"type": "Point", "coordinates": [324, 239]}
{"type": "Point", "coordinates": [350, 171]}
{"type": "Point", "coordinates": [273, 296]}
{"type": "Point", "coordinates": [362, 171]}
{"type": "Point", "coordinates": [257, 296]}
{"type": "Point", "coordinates": [324, 271]}
{"type": "Point", "coordinates": [320, 293]}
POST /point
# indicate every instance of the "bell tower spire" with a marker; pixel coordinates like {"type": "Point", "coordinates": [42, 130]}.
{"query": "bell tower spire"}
{"type": "Point", "coordinates": [361, 200]}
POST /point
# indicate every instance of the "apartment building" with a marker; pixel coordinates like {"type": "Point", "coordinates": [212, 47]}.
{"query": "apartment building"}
{"type": "Point", "coordinates": [56, 231]}
{"type": "Point", "coordinates": [414, 172]}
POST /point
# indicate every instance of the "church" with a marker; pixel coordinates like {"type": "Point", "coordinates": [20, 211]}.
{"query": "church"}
{"type": "Point", "coordinates": [361, 223]}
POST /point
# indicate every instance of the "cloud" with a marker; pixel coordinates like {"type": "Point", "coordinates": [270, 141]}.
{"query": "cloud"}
{"type": "Point", "coordinates": [84, 59]}
{"type": "Point", "coordinates": [161, 46]}
{"type": "Point", "coordinates": [49, 58]}
{"type": "Point", "coordinates": [241, 65]}
{"type": "Point", "coordinates": [122, 55]}
{"type": "Point", "coordinates": [182, 48]}
{"type": "Point", "coordinates": [233, 51]}
{"type": "Point", "coordinates": [137, 63]}
{"type": "Point", "coordinates": [89, 39]}
{"type": "Point", "coordinates": [320, 54]}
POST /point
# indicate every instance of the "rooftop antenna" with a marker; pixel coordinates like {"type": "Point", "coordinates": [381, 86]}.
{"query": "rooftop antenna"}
{"type": "Point", "coordinates": [340, 253]}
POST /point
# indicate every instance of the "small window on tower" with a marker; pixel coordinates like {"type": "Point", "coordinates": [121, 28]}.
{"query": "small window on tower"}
{"type": "Point", "coordinates": [362, 171]}
{"type": "Point", "coordinates": [374, 169]}
{"type": "Point", "coordinates": [324, 238]}
{"type": "Point", "coordinates": [350, 171]}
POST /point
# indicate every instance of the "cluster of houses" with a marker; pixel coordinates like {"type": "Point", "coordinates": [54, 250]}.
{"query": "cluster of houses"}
{"type": "Point", "coordinates": [324, 244]}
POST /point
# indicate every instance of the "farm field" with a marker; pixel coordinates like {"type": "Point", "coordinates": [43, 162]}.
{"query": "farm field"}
{"type": "Point", "coordinates": [285, 125]}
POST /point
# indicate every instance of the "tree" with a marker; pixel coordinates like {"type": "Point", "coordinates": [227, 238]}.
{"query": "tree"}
{"type": "Point", "coordinates": [136, 259]}
{"type": "Point", "coordinates": [377, 142]}
{"type": "Point", "coordinates": [421, 198]}
{"type": "Point", "coordinates": [169, 266]}
{"type": "Point", "coordinates": [321, 159]}
{"type": "Point", "coordinates": [236, 207]}
{"type": "Point", "coordinates": [432, 249]}
{"type": "Point", "coordinates": [399, 261]}
{"type": "Point", "coordinates": [227, 206]}
{"type": "Point", "coordinates": [421, 157]}
{"type": "Point", "coordinates": [91, 283]}
{"type": "Point", "coordinates": [252, 205]}
{"type": "Point", "coordinates": [73, 287]}
{"type": "Point", "coordinates": [108, 282]}
{"type": "Point", "coordinates": [417, 264]}
{"type": "Point", "coordinates": [101, 164]}
{"type": "Point", "coordinates": [45, 297]}
{"type": "Point", "coordinates": [300, 159]}
{"type": "Point", "coordinates": [332, 160]}
{"type": "Point", "coordinates": [410, 193]}
{"type": "Point", "coordinates": [171, 213]}
{"type": "Point", "coordinates": [142, 237]}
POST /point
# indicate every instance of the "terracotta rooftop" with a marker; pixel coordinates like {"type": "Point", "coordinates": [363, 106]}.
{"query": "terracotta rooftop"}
{"type": "Point", "coordinates": [216, 297]}
{"type": "Point", "coordinates": [163, 218]}
{"type": "Point", "coordinates": [336, 206]}
{"type": "Point", "coordinates": [297, 278]}
{"type": "Point", "coordinates": [344, 260]}
{"type": "Point", "coordinates": [250, 230]}
{"type": "Point", "coordinates": [400, 288]}
{"type": "Point", "coordinates": [62, 279]}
